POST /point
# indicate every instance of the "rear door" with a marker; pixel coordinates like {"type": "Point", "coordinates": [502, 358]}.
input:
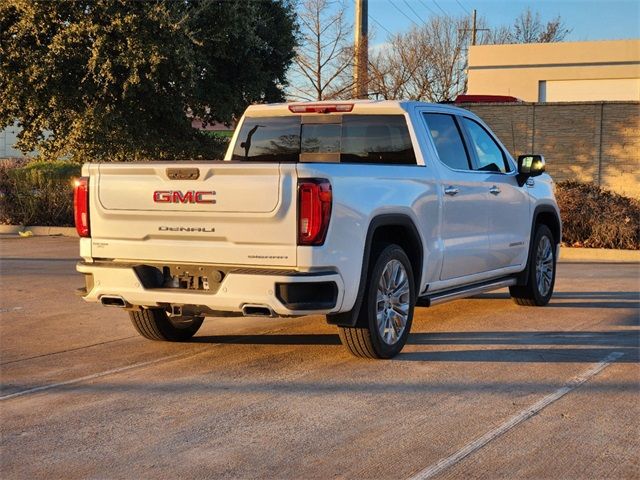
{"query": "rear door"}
{"type": "Point", "coordinates": [465, 216]}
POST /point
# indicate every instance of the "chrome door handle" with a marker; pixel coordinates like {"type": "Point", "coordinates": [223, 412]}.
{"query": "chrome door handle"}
{"type": "Point", "coordinates": [450, 190]}
{"type": "Point", "coordinates": [494, 190]}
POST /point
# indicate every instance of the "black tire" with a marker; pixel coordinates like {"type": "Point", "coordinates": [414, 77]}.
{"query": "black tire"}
{"type": "Point", "coordinates": [531, 294]}
{"type": "Point", "coordinates": [155, 324]}
{"type": "Point", "coordinates": [365, 340]}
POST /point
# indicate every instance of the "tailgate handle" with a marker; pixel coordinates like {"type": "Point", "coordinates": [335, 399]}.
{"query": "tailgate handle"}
{"type": "Point", "coordinates": [183, 173]}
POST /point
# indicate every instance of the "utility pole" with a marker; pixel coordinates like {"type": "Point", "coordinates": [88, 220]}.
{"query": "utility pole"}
{"type": "Point", "coordinates": [361, 44]}
{"type": "Point", "coordinates": [475, 29]}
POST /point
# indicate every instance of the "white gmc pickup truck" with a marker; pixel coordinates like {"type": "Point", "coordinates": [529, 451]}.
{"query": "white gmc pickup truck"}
{"type": "Point", "coordinates": [353, 210]}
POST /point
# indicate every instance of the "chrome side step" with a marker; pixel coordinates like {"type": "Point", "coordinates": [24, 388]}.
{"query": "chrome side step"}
{"type": "Point", "coordinates": [466, 291]}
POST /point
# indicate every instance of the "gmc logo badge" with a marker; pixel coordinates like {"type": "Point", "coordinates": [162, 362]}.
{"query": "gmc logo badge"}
{"type": "Point", "coordinates": [190, 196]}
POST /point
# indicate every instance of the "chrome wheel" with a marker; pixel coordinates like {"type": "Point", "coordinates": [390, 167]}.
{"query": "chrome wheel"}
{"type": "Point", "coordinates": [544, 266]}
{"type": "Point", "coordinates": [392, 302]}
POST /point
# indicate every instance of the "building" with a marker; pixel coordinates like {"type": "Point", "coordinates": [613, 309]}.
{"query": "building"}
{"type": "Point", "coordinates": [557, 72]}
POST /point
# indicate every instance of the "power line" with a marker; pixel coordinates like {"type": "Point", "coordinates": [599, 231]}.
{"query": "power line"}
{"type": "Point", "coordinates": [380, 25]}
{"type": "Point", "coordinates": [463, 7]}
{"type": "Point", "coordinates": [428, 7]}
{"type": "Point", "coordinates": [441, 9]}
{"type": "Point", "coordinates": [407, 16]}
{"type": "Point", "coordinates": [414, 12]}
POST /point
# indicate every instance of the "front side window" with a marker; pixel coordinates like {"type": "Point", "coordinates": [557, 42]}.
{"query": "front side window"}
{"type": "Point", "coordinates": [489, 155]}
{"type": "Point", "coordinates": [448, 140]}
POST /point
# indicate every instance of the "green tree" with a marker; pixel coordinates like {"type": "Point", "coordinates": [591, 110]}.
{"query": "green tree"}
{"type": "Point", "coordinates": [117, 80]}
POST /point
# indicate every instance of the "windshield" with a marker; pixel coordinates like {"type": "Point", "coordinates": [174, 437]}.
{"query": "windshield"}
{"type": "Point", "coordinates": [345, 138]}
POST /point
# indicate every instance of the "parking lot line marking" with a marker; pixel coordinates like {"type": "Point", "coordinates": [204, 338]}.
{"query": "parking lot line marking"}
{"type": "Point", "coordinates": [520, 417]}
{"type": "Point", "coordinates": [119, 369]}
{"type": "Point", "coordinates": [58, 352]}
{"type": "Point", "coordinates": [93, 376]}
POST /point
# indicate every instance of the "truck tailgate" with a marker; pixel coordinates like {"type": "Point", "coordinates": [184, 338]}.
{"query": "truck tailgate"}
{"type": "Point", "coordinates": [214, 213]}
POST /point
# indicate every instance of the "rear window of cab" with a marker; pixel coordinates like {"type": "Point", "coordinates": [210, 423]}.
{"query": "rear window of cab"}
{"type": "Point", "coordinates": [375, 139]}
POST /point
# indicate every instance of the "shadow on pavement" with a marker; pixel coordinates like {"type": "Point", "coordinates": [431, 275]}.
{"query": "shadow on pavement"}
{"type": "Point", "coordinates": [581, 299]}
{"type": "Point", "coordinates": [297, 339]}
{"type": "Point", "coordinates": [535, 347]}
{"type": "Point", "coordinates": [523, 346]}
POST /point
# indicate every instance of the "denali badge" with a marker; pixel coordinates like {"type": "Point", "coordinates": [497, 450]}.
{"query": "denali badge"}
{"type": "Point", "coordinates": [190, 196]}
{"type": "Point", "coordinates": [187, 229]}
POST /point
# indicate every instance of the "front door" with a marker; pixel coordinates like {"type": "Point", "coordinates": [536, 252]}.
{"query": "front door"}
{"type": "Point", "coordinates": [509, 218]}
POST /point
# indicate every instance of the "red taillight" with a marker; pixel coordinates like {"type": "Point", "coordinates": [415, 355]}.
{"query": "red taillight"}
{"type": "Point", "coordinates": [320, 107]}
{"type": "Point", "coordinates": [314, 210]}
{"type": "Point", "coordinates": [81, 206]}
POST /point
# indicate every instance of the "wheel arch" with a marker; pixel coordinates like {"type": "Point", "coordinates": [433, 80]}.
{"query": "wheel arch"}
{"type": "Point", "coordinates": [548, 215]}
{"type": "Point", "coordinates": [385, 228]}
{"type": "Point", "coordinates": [542, 215]}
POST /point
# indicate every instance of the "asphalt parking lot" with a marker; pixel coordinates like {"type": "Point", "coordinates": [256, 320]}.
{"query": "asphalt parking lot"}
{"type": "Point", "coordinates": [485, 389]}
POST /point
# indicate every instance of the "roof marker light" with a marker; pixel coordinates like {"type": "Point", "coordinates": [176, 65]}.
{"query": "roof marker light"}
{"type": "Point", "coordinates": [320, 107]}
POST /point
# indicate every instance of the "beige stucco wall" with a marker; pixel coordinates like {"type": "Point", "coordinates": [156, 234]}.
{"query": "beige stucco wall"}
{"type": "Point", "coordinates": [517, 70]}
{"type": "Point", "coordinates": [591, 89]}
{"type": "Point", "coordinates": [595, 142]}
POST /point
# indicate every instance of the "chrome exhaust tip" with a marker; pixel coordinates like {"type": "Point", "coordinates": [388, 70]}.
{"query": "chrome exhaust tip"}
{"type": "Point", "coordinates": [113, 301]}
{"type": "Point", "coordinates": [257, 311]}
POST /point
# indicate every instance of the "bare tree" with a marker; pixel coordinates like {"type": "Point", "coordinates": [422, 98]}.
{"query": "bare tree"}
{"type": "Point", "coordinates": [426, 63]}
{"type": "Point", "coordinates": [429, 61]}
{"type": "Point", "coordinates": [529, 28]}
{"type": "Point", "coordinates": [495, 36]}
{"type": "Point", "coordinates": [396, 69]}
{"type": "Point", "coordinates": [324, 58]}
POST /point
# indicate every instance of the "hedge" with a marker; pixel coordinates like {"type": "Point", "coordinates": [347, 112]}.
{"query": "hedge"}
{"type": "Point", "coordinates": [597, 218]}
{"type": "Point", "coordinates": [37, 193]}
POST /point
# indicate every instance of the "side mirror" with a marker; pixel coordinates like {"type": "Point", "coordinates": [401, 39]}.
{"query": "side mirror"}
{"type": "Point", "coordinates": [530, 166]}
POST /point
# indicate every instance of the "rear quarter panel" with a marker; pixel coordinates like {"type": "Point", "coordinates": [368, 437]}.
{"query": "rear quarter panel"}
{"type": "Point", "coordinates": [360, 193]}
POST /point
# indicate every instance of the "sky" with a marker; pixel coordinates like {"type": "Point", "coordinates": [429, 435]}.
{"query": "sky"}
{"type": "Point", "coordinates": [588, 19]}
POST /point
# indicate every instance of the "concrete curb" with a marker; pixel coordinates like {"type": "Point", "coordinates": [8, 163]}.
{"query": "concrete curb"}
{"type": "Point", "coordinates": [598, 255]}
{"type": "Point", "coordinates": [39, 231]}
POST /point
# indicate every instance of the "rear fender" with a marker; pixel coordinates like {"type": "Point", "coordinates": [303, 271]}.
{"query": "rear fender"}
{"type": "Point", "coordinates": [357, 315]}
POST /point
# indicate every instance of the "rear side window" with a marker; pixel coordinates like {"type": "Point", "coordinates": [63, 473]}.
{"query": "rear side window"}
{"type": "Point", "coordinates": [379, 139]}
{"type": "Point", "coordinates": [489, 155]}
{"type": "Point", "coordinates": [448, 141]}
{"type": "Point", "coordinates": [268, 139]}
